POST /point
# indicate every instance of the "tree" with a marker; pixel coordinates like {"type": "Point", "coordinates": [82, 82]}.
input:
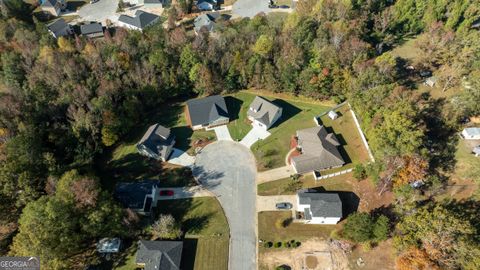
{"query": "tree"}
{"type": "Point", "coordinates": [359, 172]}
{"type": "Point", "coordinates": [381, 228]}
{"type": "Point", "coordinates": [415, 259]}
{"type": "Point", "coordinates": [358, 227]}
{"type": "Point", "coordinates": [166, 228]}
{"type": "Point", "coordinates": [264, 45]}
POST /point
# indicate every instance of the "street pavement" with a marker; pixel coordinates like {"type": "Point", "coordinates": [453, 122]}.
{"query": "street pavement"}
{"type": "Point", "coordinates": [255, 134]}
{"type": "Point", "coordinates": [100, 11]}
{"type": "Point", "coordinates": [250, 8]}
{"type": "Point", "coordinates": [228, 170]}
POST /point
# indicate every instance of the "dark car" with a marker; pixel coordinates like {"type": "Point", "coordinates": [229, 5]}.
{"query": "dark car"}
{"type": "Point", "coordinates": [283, 6]}
{"type": "Point", "coordinates": [283, 205]}
{"type": "Point", "coordinates": [167, 192]}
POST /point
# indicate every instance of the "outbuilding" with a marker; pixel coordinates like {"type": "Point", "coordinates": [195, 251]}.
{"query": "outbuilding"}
{"type": "Point", "coordinates": [332, 115]}
{"type": "Point", "coordinates": [471, 133]}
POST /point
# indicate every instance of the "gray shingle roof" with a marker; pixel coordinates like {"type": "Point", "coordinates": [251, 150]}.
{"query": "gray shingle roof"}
{"type": "Point", "coordinates": [322, 204]}
{"type": "Point", "coordinates": [57, 26]}
{"type": "Point", "coordinates": [141, 20]}
{"type": "Point", "coordinates": [319, 150]}
{"type": "Point", "coordinates": [206, 110]}
{"type": "Point", "coordinates": [159, 255]}
{"type": "Point", "coordinates": [263, 110]}
{"type": "Point", "coordinates": [49, 3]}
{"type": "Point", "coordinates": [91, 28]}
{"type": "Point", "coordinates": [157, 139]}
{"type": "Point", "coordinates": [132, 194]}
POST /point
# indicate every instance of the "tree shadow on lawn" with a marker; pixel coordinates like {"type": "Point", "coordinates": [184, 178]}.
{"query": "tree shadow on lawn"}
{"type": "Point", "coordinates": [350, 200]}
{"type": "Point", "coordinates": [234, 105]}
{"type": "Point", "coordinates": [288, 111]}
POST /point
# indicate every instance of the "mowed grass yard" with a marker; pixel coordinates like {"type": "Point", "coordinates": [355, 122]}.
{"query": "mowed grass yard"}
{"type": "Point", "coordinates": [298, 113]}
{"type": "Point", "coordinates": [205, 246]}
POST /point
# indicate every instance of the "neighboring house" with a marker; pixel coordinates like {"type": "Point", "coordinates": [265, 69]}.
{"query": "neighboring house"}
{"type": "Point", "coordinates": [157, 142]}
{"type": "Point", "coordinates": [263, 113]}
{"type": "Point", "coordinates": [471, 133]}
{"type": "Point", "coordinates": [109, 245]}
{"type": "Point", "coordinates": [159, 255]}
{"type": "Point", "coordinates": [59, 28]}
{"type": "Point", "coordinates": [154, 3]}
{"type": "Point", "coordinates": [207, 112]}
{"type": "Point", "coordinates": [319, 150]}
{"type": "Point", "coordinates": [53, 7]}
{"type": "Point", "coordinates": [207, 4]}
{"type": "Point", "coordinates": [138, 196]}
{"type": "Point", "coordinates": [139, 22]}
{"type": "Point", "coordinates": [319, 208]}
{"type": "Point", "coordinates": [208, 21]}
{"type": "Point", "coordinates": [476, 24]}
{"type": "Point", "coordinates": [431, 81]}
{"type": "Point", "coordinates": [332, 115]}
{"type": "Point", "coordinates": [92, 30]}
{"type": "Point", "coordinates": [476, 151]}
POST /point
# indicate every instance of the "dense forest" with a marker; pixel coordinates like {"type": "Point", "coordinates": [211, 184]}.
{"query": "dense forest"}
{"type": "Point", "coordinates": [64, 102]}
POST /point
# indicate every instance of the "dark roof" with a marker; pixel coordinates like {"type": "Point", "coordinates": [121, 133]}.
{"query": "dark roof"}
{"type": "Point", "coordinates": [319, 150]}
{"type": "Point", "coordinates": [206, 110]}
{"type": "Point", "coordinates": [157, 139]}
{"type": "Point", "coordinates": [263, 110]}
{"type": "Point", "coordinates": [91, 28]}
{"type": "Point", "coordinates": [321, 204]}
{"type": "Point", "coordinates": [163, 2]}
{"type": "Point", "coordinates": [205, 20]}
{"type": "Point", "coordinates": [159, 255]}
{"type": "Point", "coordinates": [132, 194]}
{"type": "Point", "coordinates": [141, 19]}
{"type": "Point", "coordinates": [49, 3]}
{"type": "Point", "coordinates": [57, 25]}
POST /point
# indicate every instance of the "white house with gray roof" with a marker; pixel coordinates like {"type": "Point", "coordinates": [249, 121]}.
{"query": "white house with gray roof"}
{"type": "Point", "coordinates": [159, 255]}
{"type": "Point", "coordinates": [157, 142]}
{"type": "Point", "coordinates": [92, 30]}
{"type": "Point", "coordinates": [318, 150]}
{"type": "Point", "coordinates": [59, 28]}
{"type": "Point", "coordinates": [319, 208]}
{"type": "Point", "coordinates": [263, 113]}
{"type": "Point", "coordinates": [471, 133]}
{"type": "Point", "coordinates": [207, 112]}
{"type": "Point", "coordinates": [140, 21]}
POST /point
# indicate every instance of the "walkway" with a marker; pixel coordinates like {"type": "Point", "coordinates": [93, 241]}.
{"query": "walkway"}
{"type": "Point", "coordinates": [267, 203]}
{"type": "Point", "coordinates": [179, 157]}
{"type": "Point", "coordinates": [275, 174]}
{"type": "Point", "coordinates": [222, 133]}
{"type": "Point", "coordinates": [255, 134]}
{"type": "Point", "coordinates": [186, 193]}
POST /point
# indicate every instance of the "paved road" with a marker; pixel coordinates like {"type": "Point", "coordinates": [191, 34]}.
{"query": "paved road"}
{"type": "Point", "coordinates": [228, 170]}
{"type": "Point", "coordinates": [250, 8]}
{"type": "Point", "coordinates": [255, 134]}
{"type": "Point", "coordinates": [275, 174]}
{"type": "Point", "coordinates": [100, 11]}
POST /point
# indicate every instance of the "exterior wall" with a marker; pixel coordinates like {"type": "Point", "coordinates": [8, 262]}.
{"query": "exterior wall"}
{"type": "Point", "coordinates": [277, 116]}
{"type": "Point", "coordinates": [128, 26]}
{"type": "Point", "coordinates": [95, 35]}
{"type": "Point", "coordinates": [197, 127]}
{"type": "Point", "coordinates": [258, 124]}
{"type": "Point", "coordinates": [323, 220]}
{"type": "Point", "coordinates": [54, 11]}
{"type": "Point", "coordinates": [155, 194]}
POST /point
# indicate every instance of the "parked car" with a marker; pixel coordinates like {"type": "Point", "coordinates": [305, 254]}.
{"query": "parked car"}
{"type": "Point", "coordinates": [284, 6]}
{"type": "Point", "coordinates": [167, 192]}
{"type": "Point", "coordinates": [283, 206]}
{"type": "Point", "coordinates": [93, 1]}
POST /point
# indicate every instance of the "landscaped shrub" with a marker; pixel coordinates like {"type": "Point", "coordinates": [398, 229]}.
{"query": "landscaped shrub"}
{"type": "Point", "coordinates": [270, 152]}
{"type": "Point", "coordinates": [287, 244]}
{"type": "Point", "coordinates": [278, 244]}
{"type": "Point", "coordinates": [267, 244]}
{"type": "Point", "coordinates": [359, 172]}
{"type": "Point", "coordinates": [286, 222]}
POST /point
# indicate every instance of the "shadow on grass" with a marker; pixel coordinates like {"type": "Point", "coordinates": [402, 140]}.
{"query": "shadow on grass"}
{"type": "Point", "coordinates": [178, 209]}
{"type": "Point", "coordinates": [234, 105]}
{"type": "Point", "coordinates": [189, 253]}
{"type": "Point", "coordinates": [288, 111]}
{"type": "Point", "coordinates": [342, 150]}
{"type": "Point", "coordinates": [182, 137]}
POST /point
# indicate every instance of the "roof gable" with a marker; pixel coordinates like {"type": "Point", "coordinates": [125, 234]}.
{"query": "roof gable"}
{"type": "Point", "coordinates": [207, 110]}
{"type": "Point", "coordinates": [263, 110]}
{"type": "Point", "coordinates": [157, 139]}
{"type": "Point", "coordinates": [141, 19]}
{"type": "Point", "coordinates": [164, 255]}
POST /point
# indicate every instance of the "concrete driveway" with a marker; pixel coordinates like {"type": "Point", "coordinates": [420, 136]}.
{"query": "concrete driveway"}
{"type": "Point", "coordinates": [267, 203]}
{"type": "Point", "coordinates": [250, 8]}
{"type": "Point", "coordinates": [222, 133]}
{"type": "Point", "coordinates": [186, 193]}
{"type": "Point", "coordinates": [255, 134]}
{"type": "Point", "coordinates": [99, 11]}
{"type": "Point", "coordinates": [228, 170]}
{"type": "Point", "coordinates": [179, 157]}
{"type": "Point", "coordinates": [275, 174]}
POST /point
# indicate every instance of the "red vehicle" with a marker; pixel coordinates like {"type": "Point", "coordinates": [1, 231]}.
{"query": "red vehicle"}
{"type": "Point", "coordinates": [167, 192]}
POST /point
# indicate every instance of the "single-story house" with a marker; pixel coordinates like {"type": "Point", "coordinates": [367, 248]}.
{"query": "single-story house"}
{"type": "Point", "coordinates": [154, 3]}
{"type": "Point", "coordinates": [59, 28]}
{"type": "Point", "coordinates": [319, 208]}
{"type": "Point", "coordinates": [318, 150]}
{"type": "Point", "coordinates": [471, 133]}
{"type": "Point", "coordinates": [207, 112]}
{"type": "Point", "coordinates": [159, 255]}
{"type": "Point", "coordinates": [263, 113]}
{"type": "Point", "coordinates": [54, 7]}
{"type": "Point", "coordinates": [139, 22]}
{"type": "Point", "coordinates": [157, 142]}
{"type": "Point", "coordinates": [431, 81]}
{"type": "Point", "coordinates": [138, 196]}
{"type": "Point", "coordinates": [476, 151]}
{"type": "Point", "coordinates": [109, 245]}
{"type": "Point", "coordinates": [207, 4]}
{"type": "Point", "coordinates": [332, 115]}
{"type": "Point", "coordinates": [92, 30]}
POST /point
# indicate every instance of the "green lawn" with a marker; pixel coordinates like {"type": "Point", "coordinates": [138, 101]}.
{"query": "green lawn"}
{"type": "Point", "coordinates": [238, 105]}
{"type": "Point", "coordinates": [467, 164]}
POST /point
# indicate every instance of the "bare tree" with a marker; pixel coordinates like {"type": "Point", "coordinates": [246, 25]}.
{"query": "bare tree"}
{"type": "Point", "coordinates": [166, 228]}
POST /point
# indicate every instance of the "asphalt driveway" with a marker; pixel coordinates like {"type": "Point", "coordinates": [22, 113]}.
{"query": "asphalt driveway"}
{"type": "Point", "coordinates": [228, 170]}
{"type": "Point", "coordinates": [250, 8]}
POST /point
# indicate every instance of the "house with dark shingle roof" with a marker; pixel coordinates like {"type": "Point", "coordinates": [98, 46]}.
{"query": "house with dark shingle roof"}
{"type": "Point", "coordinates": [138, 196]}
{"type": "Point", "coordinates": [263, 113]}
{"type": "Point", "coordinates": [209, 21]}
{"type": "Point", "coordinates": [318, 150]}
{"type": "Point", "coordinates": [92, 30]}
{"type": "Point", "coordinates": [53, 7]}
{"type": "Point", "coordinates": [319, 208]}
{"type": "Point", "coordinates": [207, 4]}
{"type": "Point", "coordinates": [207, 112]}
{"type": "Point", "coordinates": [157, 142]}
{"type": "Point", "coordinates": [59, 28]}
{"type": "Point", "coordinates": [159, 255]}
{"type": "Point", "coordinates": [139, 22]}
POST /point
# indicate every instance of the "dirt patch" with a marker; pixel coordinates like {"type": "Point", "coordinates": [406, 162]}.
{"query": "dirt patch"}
{"type": "Point", "coordinates": [314, 254]}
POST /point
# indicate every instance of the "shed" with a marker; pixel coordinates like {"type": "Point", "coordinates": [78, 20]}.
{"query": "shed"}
{"type": "Point", "coordinates": [476, 151]}
{"type": "Point", "coordinates": [109, 245]}
{"type": "Point", "coordinates": [333, 115]}
{"type": "Point", "coordinates": [471, 133]}
{"type": "Point", "coordinates": [431, 81]}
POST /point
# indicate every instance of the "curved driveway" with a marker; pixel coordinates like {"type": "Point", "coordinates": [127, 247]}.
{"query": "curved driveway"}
{"type": "Point", "coordinates": [228, 170]}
